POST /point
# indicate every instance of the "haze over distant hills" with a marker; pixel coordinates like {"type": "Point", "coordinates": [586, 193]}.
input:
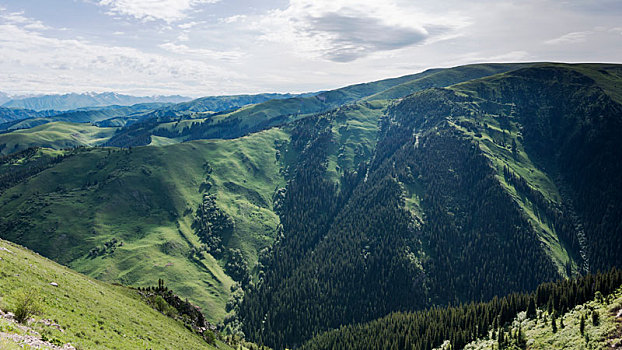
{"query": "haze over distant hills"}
{"type": "Point", "coordinates": [4, 98]}
{"type": "Point", "coordinates": [89, 99]}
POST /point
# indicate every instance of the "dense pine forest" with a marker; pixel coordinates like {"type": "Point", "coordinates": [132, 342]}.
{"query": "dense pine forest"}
{"type": "Point", "coordinates": [460, 325]}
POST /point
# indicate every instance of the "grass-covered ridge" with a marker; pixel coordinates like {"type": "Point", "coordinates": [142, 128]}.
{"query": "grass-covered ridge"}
{"type": "Point", "coordinates": [146, 198]}
{"type": "Point", "coordinates": [56, 135]}
{"type": "Point", "coordinates": [86, 313]}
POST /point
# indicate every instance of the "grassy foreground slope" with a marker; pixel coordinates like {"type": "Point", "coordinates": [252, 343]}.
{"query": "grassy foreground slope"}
{"type": "Point", "coordinates": [89, 314]}
{"type": "Point", "coordinates": [146, 198]}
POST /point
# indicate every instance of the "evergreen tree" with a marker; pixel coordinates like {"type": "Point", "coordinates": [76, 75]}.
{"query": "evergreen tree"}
{"type": "Point", "coordinates": [531, 308]}
{"type": "Point", "coordinates": [554, 323]}
{"type": "Point", "coordinates": [501, 339]}
{"type": "Point", "coordinates": [595, 318]}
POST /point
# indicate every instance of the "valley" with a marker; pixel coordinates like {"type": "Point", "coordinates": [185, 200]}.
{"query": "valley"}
{"type": "Point", "coordinates": [315, 220]}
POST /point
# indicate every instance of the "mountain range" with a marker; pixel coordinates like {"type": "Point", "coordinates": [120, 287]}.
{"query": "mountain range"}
{"type": "Point", "coordinates": [83, 100]}
{"type": "Point", "coordinates": [312, 220]}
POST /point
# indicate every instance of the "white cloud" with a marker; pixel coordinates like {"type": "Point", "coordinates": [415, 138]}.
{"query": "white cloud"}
{"type": "Point", "coordinates": [233, 19]}
{"type": "Point", "coordinates": [203, 53]}
{"type": "Point", "coordinates": [45, 64]}
{"type": "Point", "coordinates": [18, 18]}
{"type": "Point", "coordinates": [569, 38]}
{"type": "Point", "coordinates": [188, 25]}
{"type": "Point", "coordinates": [166, 10]}
{"type": "Point", "coordinates": [345, 30]}
{"type": "Point", "coordinates": [305, 45]}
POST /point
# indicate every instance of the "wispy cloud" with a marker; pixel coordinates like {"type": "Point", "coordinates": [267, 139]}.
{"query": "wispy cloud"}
{"type": "Point", "coordinates": [62, 65]}
{"type": "Point", "coordinates": [202, 53]}
{"type": "Point", "coordinates": [166, 10]}
{"type": "Point", "coordinates": [18, 18]}
{"type": "Point", "coordinates": [569, 38]}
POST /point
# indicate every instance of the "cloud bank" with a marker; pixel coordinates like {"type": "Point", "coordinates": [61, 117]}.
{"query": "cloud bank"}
{"type": "Point", "coordinates": [166, 10]}
{"type": "Point", "coordinates": [346, 30]}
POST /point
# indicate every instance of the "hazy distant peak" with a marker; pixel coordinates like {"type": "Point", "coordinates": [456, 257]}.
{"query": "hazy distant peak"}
{"type": "Point", "coordinates": [87, 99]}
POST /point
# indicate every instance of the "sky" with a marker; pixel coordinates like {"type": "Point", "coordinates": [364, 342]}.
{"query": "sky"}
{"type": "Point", "coordinates": [220, 47]}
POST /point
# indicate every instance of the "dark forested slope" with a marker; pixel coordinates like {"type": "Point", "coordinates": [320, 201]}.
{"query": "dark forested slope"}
{"type": "Point", "coordinates": [471, 192]}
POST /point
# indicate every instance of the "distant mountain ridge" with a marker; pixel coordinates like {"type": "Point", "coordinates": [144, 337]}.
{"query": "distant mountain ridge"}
{"type": "Point", "coordinates": [88, 99]}
{"type": "Point", "coordinates": [4, 98]}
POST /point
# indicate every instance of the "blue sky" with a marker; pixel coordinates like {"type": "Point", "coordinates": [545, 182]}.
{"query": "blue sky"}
{"type": "Point", "coordinates": [215, 47]}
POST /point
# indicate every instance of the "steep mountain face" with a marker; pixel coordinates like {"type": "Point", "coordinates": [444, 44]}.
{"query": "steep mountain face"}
{"type": "Point", "coordinates": [570, 125]}
{"type": "Point", "coordinates": [485, 184]}
{"type": "Point", "coordinates": [74, 101]}
{"type": "Point", "coordinates": [362, 253]}
{"type": "Point", "coordinates": [303, 214]}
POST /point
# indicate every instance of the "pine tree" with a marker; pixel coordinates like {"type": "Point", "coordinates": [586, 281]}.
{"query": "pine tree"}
{"type": "Point", "coordinates": [582, 324]}
{"type": "Point", "coordinates": [553, 323]}
{"type": "Point", "coordinates": [531, 308]}
{"type": "Point", "coordinates": [520, 337]}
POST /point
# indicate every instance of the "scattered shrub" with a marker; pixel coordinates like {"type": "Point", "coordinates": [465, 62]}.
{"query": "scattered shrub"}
{"type": "Point", "coordinates": [27, 304]}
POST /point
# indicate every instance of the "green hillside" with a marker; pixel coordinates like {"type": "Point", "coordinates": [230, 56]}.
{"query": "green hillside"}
{"type": "Point", "coordinates": [55, 135]}
{"type": "Point", "coordinates": [86, 313]}
{"type": "Point", "coordinates": [275, 112]}
{"type": "Point", "coordinates": [445, 77]}
{"type": "Point", "coordinates": [602, 328]}
{"type": "Point", "coordinates": [147, 198]}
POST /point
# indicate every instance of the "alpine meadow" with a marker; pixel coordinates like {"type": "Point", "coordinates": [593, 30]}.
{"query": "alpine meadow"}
{"type": "Point", "coordinates": [474, 206]}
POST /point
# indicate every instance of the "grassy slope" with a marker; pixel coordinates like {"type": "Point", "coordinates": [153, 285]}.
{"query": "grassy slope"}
{"type": "Point", "coordinates": [146, 197]}
{"type": "Point", "coordinates": [280, 111]}
{"type": "Point", "coordinates": [93, 314]}
{"type": "Point", "coordinates": [539, 334]}
{"type": "Point", "coordinates": [491, 144]}
{"type": "Point", "coordinates": [355, 132]}
{"type": "Point", "coordinates": [499, 129]}
{"type": "Point", "coordinates": [446, 77]}
{"type": "Point", "coordinates": [55, 135]}
{"type": "Point", "coordinates": [607, 76]}
{"type": "Point", "coordinates": [294, 108]}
